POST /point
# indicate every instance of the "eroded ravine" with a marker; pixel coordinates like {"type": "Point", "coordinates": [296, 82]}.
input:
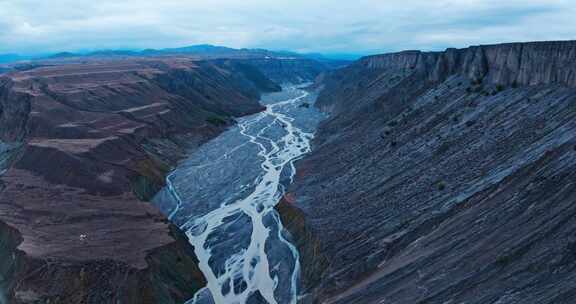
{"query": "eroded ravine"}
{"type": "Point", "coordinates": [224, 195]}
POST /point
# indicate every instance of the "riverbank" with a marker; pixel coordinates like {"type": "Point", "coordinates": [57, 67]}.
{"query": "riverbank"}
{"type": "Point", "coordinates": [224, 196]}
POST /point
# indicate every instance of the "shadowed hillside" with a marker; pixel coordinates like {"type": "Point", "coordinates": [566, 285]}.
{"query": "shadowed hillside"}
{"type": "Point", "coordinates": [443, 177]}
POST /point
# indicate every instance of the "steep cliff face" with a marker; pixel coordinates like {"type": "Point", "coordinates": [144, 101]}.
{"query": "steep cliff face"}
{"type": "Point", "coordinates": [513, 64]}
{"type": "Point", "coordinates": [14, 109]}
{"type": "Point", "coordinates": [99, 138]}
{"type": "Point", "coordinates": [521, 63]}
{"type": "Point", "coordinates": [445, 177]}
{"type": "Point", "coordinates": [289, 70]}
{"type": "Point", "coordinates": [11, 260]}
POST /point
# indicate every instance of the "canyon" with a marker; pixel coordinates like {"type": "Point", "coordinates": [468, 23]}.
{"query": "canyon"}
{"type": "Point", "coordinates": [435, 177]}
{"type": "Point", "coordinates": [85, 146]}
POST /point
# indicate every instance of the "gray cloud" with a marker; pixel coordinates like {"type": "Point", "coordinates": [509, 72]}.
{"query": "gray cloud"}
{"type": "Point", "coordinates": [362, 26]}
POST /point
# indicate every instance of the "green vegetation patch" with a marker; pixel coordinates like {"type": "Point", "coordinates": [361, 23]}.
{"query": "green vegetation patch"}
{"type": "Point", "coordinates": [217, 120]}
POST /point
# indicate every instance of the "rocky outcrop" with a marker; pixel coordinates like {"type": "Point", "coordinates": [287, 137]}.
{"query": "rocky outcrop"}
{"type": "Point", "coordinates": [521, 63]}
{"type": "Point", "coordinates": [445, 177]}
{"type": "Point", "coordinates": [314, 263]}
{"type": "Point", "coordinates": [99, 138]}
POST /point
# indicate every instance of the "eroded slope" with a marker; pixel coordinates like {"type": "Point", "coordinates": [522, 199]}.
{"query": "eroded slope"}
{"type": "Point", "coordinates": [91, 143]}
{"type": "Point", "coordinates": [444, 177]}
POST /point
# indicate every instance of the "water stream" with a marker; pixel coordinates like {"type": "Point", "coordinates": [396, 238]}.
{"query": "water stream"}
{"type": "Point", "coordinates": [224, 195]}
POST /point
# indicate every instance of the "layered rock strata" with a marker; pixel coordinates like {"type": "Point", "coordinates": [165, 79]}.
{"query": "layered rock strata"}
{"type": "Point", "coordinates": [444, 177]}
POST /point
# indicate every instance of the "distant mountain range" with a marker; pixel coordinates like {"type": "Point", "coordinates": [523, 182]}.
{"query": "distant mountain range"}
{"type": "Point", "coordinates": [8, 58]}
{"type": "Point", "coordinates": [204, 50]}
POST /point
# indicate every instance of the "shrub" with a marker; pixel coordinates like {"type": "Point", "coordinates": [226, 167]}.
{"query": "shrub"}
{"type": "Point", "coordinates": [443, 148]}
{"type": "Point", "coordinates": [216, 120]}
{"type": "Point", "coordinates": [514, 84]}
{"type": "Point", "coordinates": [441, 185]}
{"type": "Point", "coordinates": [504, 260]}
{"type": "Point", "coordinates": [384, 134]}
{"type": "Point", "coordinates": [499, 88]}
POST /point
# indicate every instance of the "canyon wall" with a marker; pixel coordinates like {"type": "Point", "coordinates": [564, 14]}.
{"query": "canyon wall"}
{"type": "Point", "coordinates": [11, 260]}
{"type": "Point", "coordinates": [289, 70]}
{"type": "Point", "coordinates": [443, 177]}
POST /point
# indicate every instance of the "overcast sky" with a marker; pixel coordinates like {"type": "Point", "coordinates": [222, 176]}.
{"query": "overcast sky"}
{"type": "Point", "coordinates": [352, 26]}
